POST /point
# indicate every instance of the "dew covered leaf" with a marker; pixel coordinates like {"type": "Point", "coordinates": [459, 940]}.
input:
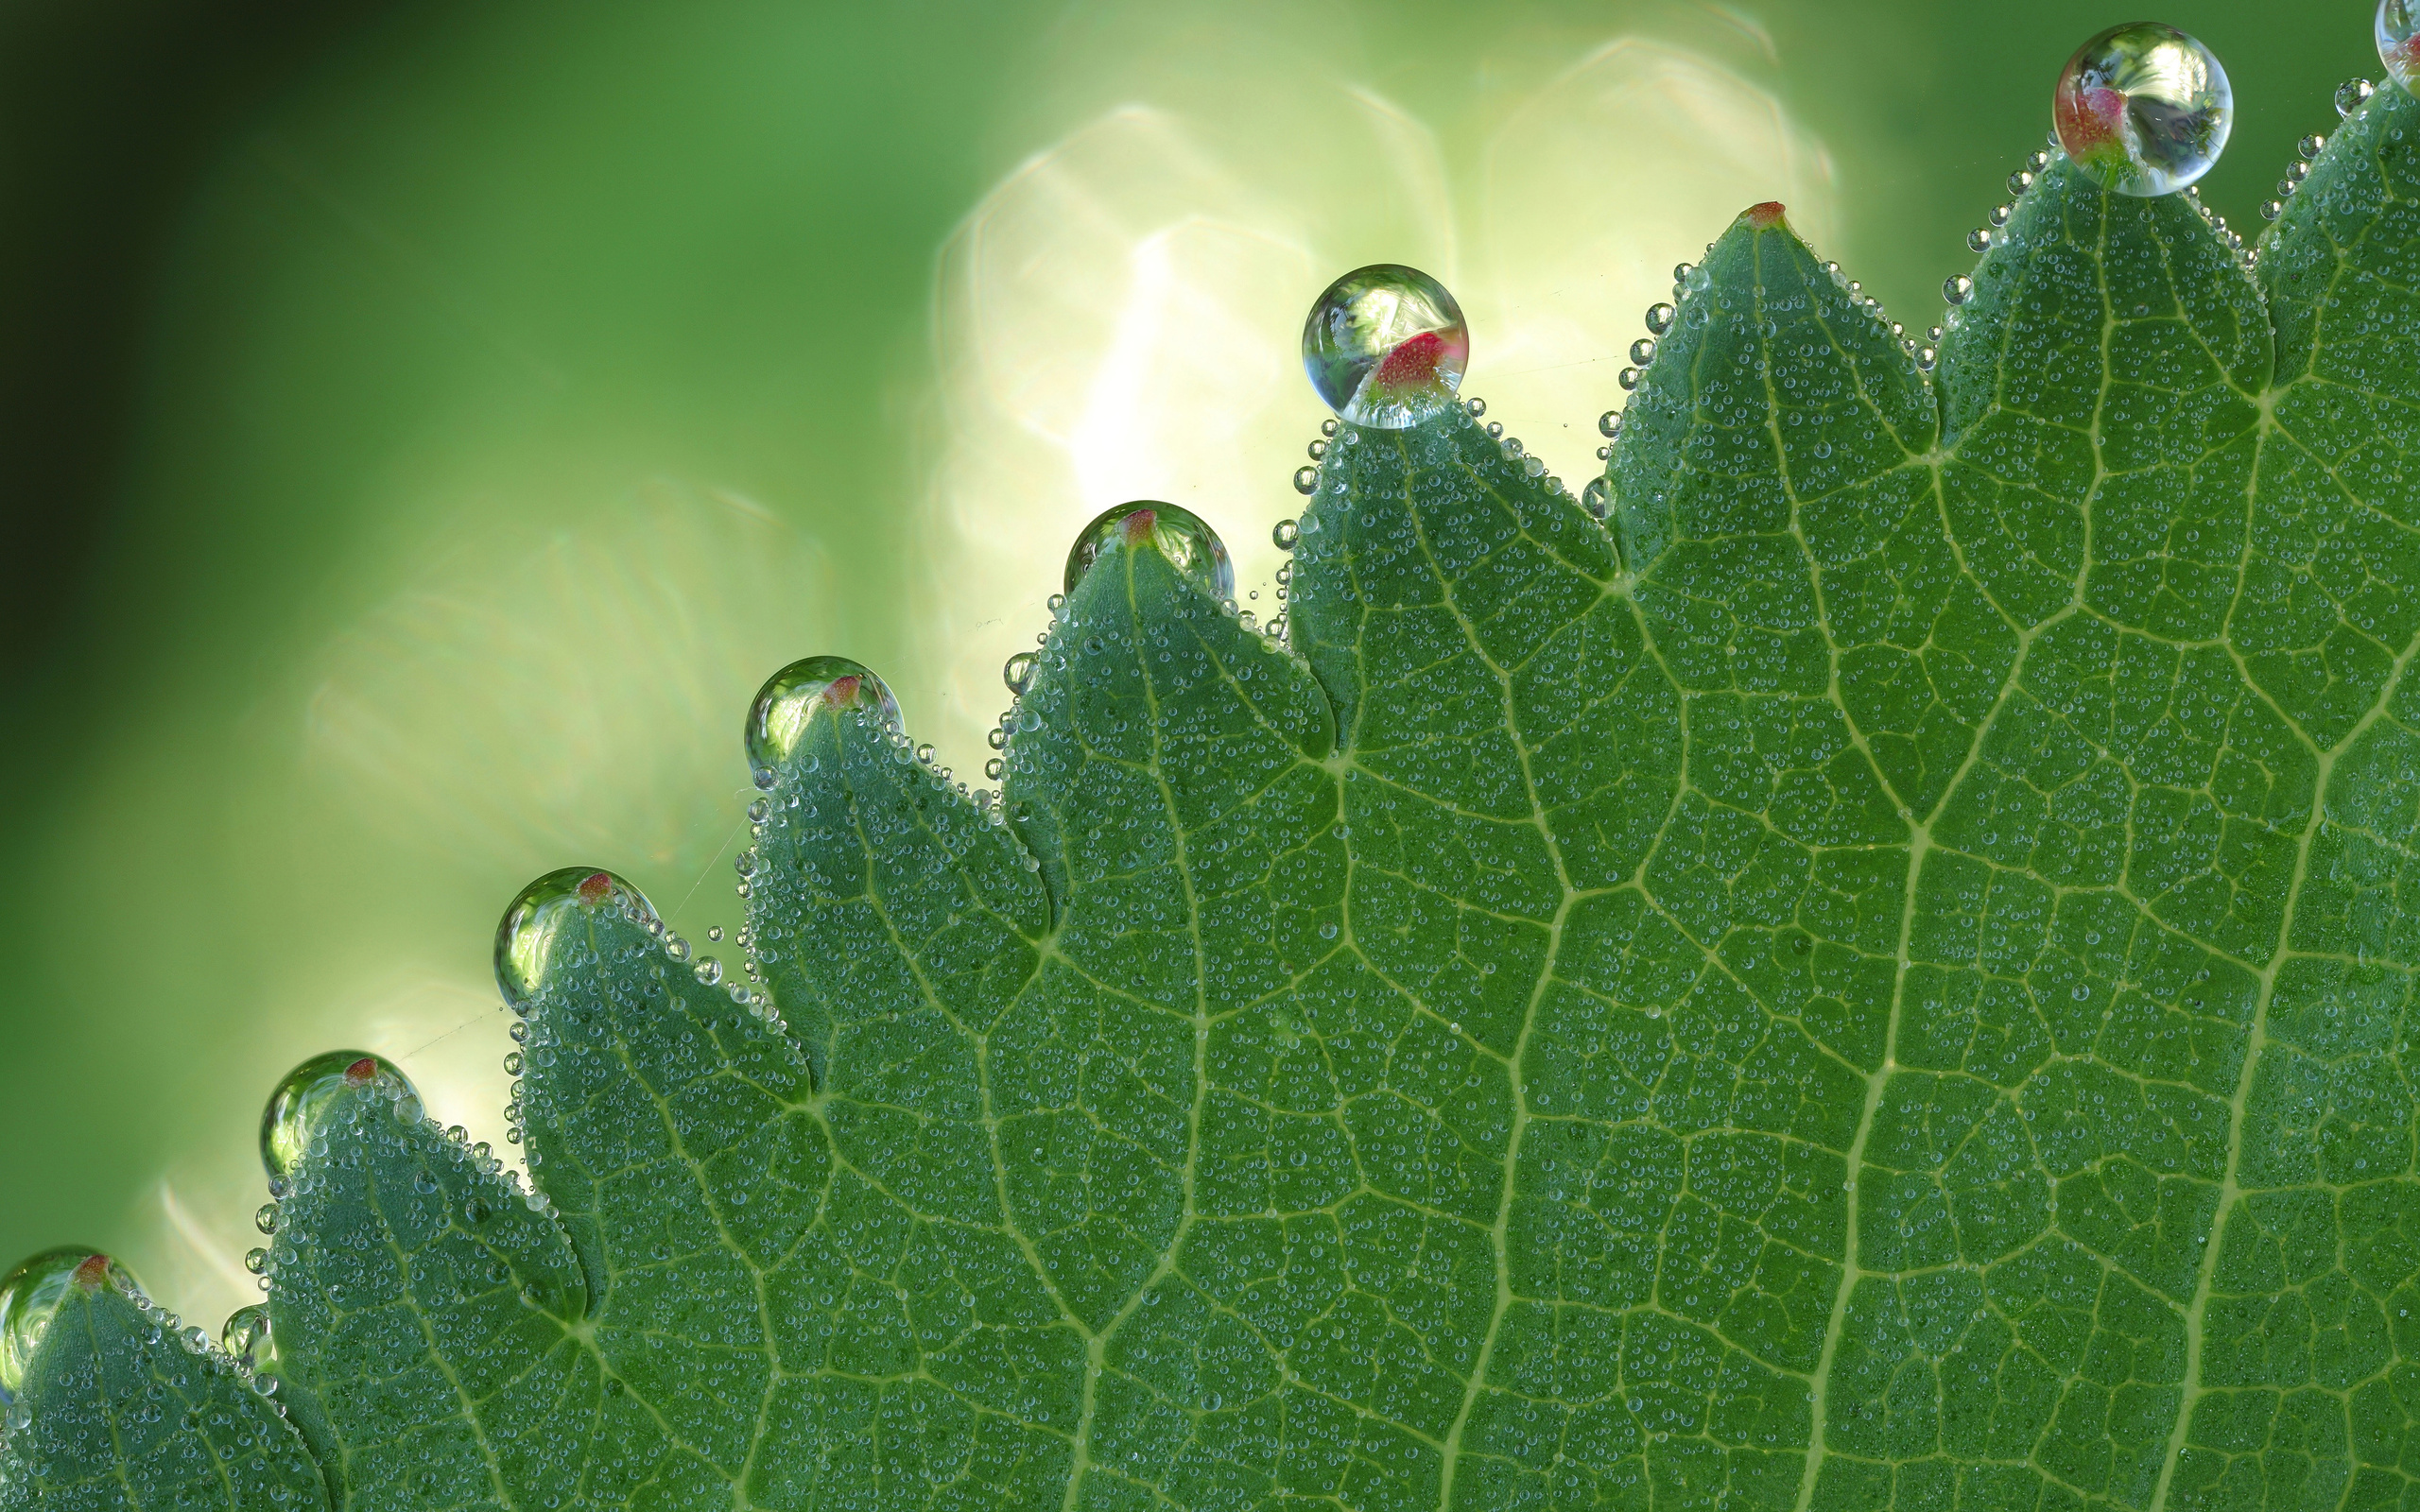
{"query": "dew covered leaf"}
{"type": "Point", "coordinates": [126, 1411]}
{"type": "Point", "coordinates": [1878, 976]}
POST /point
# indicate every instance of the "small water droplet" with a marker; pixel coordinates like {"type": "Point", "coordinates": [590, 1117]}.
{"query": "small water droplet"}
{"type": "Point", "coordinates": [264, 1217]}
{"type": "Point", "coordinates": [1659, 317]}
{"type": "Point", "coordinates": [1958, 288]}
{"type": "Point", "coordinates": [1178, 534]}
{"type": "Point", "coordinates": [994, 767]}
{"type": "Point", "coordinates": [1597, 498]}
{"type": "Point", "coordinates": [1307, 480]}
{"type": "Point", "coordinates": [1642, 351]}
{"type": "Point", "coordinates": [1475, 408]}
{"type": "Point", "coordinates": [708, 969]}
{"type": "Point", "coordinates": [1979, 239]}
{"type": "Point", "coordinates": [2018, 182]}
{"type": "Point", "coordinates": [2272, 208]}
{"type": "Point", "coordinates": [525, 936]}
{"type": "Point", "coordinates": [304, 1095]}
{"type": "Point", "coordinates": [1628, 378]}
{"type": "Point", "coordinates": [31, 1296]}
{"type": "Point", "coordinates": [2144, 108]}
{"type": "Point", "coordinates": [1610, 422]}
{"type": "Point", "coordinates": [1385, 346]}
{"type": "Point", "coordinates": [1285, 534]}
{"type": "Point", "coordinates": [2352, 94]}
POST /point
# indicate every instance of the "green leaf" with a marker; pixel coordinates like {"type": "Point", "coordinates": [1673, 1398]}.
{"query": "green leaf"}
{"type": "Point", "coordinates": [1877, 977]}
{"type": "Point", "coordinates": [126, 1410]}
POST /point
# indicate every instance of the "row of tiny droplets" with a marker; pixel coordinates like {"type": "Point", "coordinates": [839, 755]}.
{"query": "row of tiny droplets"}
{"type": "Point", "coordinates": [2350, 96]}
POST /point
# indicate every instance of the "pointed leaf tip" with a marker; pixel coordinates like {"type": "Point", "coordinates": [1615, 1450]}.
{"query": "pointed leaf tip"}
{"type": "Point", "coordinates": [1765, 217]}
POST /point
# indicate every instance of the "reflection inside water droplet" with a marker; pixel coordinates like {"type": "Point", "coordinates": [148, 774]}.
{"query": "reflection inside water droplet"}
{"type": "Point", "coordinates": [31, 1296]}
{"type": "Point", "coordinates": [2145, 108]}
{"type": "Point", "coordinates": [526, 937]}
{"type": "Point", "coordinates": [304, 1096]}
{"type": "Point", "coordinates": [1178, 534]}
{"type": "Point", "coordinates": [244, 1335]}
{"type": "Point", "coordinates": [791, 697]}
{"type": "Point", "coordinates": [1385, 346]}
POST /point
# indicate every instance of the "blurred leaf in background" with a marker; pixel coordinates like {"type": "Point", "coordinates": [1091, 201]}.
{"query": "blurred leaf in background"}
{"type": "Point", "coordinates": [426, 423]}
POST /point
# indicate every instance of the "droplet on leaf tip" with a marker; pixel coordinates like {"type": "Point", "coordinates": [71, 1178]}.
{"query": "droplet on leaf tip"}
{"type": "Point", "coordinates": [525, 936]}
{"type": "Point", "coordinates": [1177, 534]}
{"type": "Point", "coordinates": [2144, 108]}
{"type": "Point", "coordinates": [302, 1096]}
{"type": "Point", "coordinates": [1385, 346]}
{"type": "Point", "coordinates": [31, 1297]}
{"type": "Point", "coordinates": [779, 717]}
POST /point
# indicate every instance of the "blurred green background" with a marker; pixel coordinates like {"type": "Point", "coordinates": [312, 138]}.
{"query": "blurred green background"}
{"type": "Point", "coordinates": [424, 424]}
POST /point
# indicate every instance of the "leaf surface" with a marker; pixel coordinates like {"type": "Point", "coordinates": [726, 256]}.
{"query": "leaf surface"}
{"type": "Point", "coordinates": [1877, 977]}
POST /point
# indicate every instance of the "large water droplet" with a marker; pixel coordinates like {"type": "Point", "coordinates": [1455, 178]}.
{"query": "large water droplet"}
{"type": "Point", "coordinates": [245, 1334]}
{"type": "Point", "coordinates": [2394, 28]}
{"type": "Point", "coordinates": [304, 1095]}
{"type": "Point", "coordinates": [29, 1298]}
{"type": "Point", "coordinates": [1385, 346]}
{"type": "Point", "coordinates": [526, 937]}
{"type": "Point", "coordinates": [2145, 108]}
{"type": "Point", "coordinates": [791, 697]}
{"type": "Point", "coordinates": [1191, 547]}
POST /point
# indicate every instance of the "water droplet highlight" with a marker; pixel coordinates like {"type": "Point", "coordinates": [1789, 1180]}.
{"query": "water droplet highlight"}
{"type": "Point", "coordinates": [1385, 346]}
{"type": "Point", "coordinates": [29, 1298]}
{"type": "Point", "coordinates": [1659, 317]}
{"type": "Point", "coordinates": [1285, 534]}
{"type": "Point", "coordinates": [1190, 546]}
{"type": "Point", "coordinates": [1958, 288]}
{"type": "Point", "coordinates": [2352, 94]}
{"type": "Point", "coordinates": [304, 1095]}
{"type": "Point", "coordinates": [525, 936]}
{"type": "Point", "coordinates": [791, 697]}
{"type": "Point", "coordinates": [2144, 108]}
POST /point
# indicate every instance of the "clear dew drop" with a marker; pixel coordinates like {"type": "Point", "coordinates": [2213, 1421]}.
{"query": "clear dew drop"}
{"type": "Point", "coordinates": [245, 1334]}
{"type": "Point", "coordinates": [788, 700]}
{"type": "Point", "coordinates": [2144, 108]}
{"type": "Point", "coordinates": [1178, 534]}
{"type": "Point", "coordinates": [2352, 94]}
{"type": "Point", "coordinates": [31, 1296]}
{"type": "Point", "coordinates": [1285, 534]}
{"type": "Point", "coordinates": [1642, 351]}
{"type": "Point", "coordinates": [1659, 317]}
{"type": "Point", "coordinates": [1597, 498]}
{"type": "Point", "coordinates": [1610, 422]}
{"type": "Point", "coordinates": [304, 1095]}
{"type": "Point", "coordinates": [1307, 480]}
{"type": "Point", "coordinates": [1958, 288]}
{"type": "Point", "coordinates": [2397, 21]}
{"type": "Point", "coordinates": [1979, 239]}
{"type": "Point", "coordinates": [1385, 346]}
{"type": "Point", "coordinates": [525, 936]}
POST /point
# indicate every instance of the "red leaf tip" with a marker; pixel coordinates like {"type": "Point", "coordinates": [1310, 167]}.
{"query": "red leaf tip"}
{"type": "Point", "coordinates": [1765, 217]}
{"type": "Point", "coordinates": [842, 692]}
{"type": "Point", "coordinates": [595, 887]}
{"type": "Point", "coordinates": [92, 1272]}
{"type": "Point", "coordinates": [361, 1073]}
{"type": "Point", "coordinates": [1412, 361]}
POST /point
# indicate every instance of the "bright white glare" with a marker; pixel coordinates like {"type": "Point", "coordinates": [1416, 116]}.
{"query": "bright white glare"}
{"type": "Point", "coordinates": [1120, 317]}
